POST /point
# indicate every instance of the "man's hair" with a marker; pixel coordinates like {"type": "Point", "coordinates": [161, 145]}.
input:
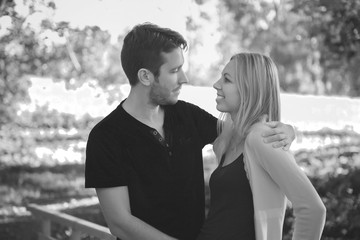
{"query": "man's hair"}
{"type": "Point", "coordinates": [143, 46]}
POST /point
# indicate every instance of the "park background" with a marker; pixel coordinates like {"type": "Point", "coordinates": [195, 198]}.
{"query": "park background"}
{"type": "Point", "coordinates": [60, 73]}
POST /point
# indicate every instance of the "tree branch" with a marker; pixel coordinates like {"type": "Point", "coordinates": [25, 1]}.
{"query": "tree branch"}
{"type": "Point", "coordinates": [71, 52]}
{"type": "Point", "coordinates": [2, 7]}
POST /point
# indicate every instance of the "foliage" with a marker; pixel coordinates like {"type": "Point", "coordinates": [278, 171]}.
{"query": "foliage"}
{"type": "Point", "coordinates": [203, 32]}
{"type": "Point", "coordinates": [340, 194]}
{"type": "Point", "coordinates": [314, 43]}
{"type": "Point", "coordinates": [270, 28]}
{"type": "Point", "coordinates": [337, 22]}
{"type": "Point", "coordinates": [44, 184]}
{"type": "Point", "coordinates": [44, 130]}
{"type": "Point", "coordinates": [334, 171]}
{"type": "Point", "coordinates": [336, 26]}
{"type": "Point", "coordinates": [33, 43]}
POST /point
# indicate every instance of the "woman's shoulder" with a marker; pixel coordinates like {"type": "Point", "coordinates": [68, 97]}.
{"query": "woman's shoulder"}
{"type": "Point", "coordinates": [255, 132]}
{"type": "Point", "coordinates": [254, 143]}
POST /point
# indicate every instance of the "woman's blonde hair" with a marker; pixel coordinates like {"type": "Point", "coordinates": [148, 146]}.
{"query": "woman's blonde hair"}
{"type": "Point", "coordinates": [257, 81]}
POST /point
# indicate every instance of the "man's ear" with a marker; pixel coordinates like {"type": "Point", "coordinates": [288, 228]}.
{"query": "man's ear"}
{"type": "Point", "coordinates": [145, 77]}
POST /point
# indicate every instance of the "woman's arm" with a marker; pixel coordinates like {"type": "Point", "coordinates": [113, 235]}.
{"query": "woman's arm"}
{"type": "Point", "coordinates": [309, 210]}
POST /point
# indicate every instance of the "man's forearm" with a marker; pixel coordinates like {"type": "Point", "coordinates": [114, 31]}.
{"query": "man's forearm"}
{"type": "Point", "coordinates": [133, 228]}
{"type": "Point", "coordinates": [279, 135]}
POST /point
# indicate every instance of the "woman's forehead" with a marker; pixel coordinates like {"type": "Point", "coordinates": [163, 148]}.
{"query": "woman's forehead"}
{"type": "Point", "coordinates": [230, 67]}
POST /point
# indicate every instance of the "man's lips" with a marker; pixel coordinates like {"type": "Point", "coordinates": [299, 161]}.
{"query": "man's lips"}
{"type": "Point", "coordinates": [177, 89]}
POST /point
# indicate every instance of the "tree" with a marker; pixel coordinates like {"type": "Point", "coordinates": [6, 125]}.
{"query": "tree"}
{"type": "Point", "coordinates": [31, 43]}
{"type": "Point", "coordinates": [314, 43]}
{"type": "Point", "coordinates": [270, 28]}
{"type": "Point", "coordinates": [336, 25]}
{"type": "Point", "coordinates": [203, 29]}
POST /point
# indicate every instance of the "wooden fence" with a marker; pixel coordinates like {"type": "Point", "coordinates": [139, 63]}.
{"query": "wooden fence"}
{"type": "Point", "coordinates": [80, 228]}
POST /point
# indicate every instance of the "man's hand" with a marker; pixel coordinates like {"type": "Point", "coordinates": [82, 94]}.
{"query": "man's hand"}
{"type": "Point", "coordinates": [280, 135]}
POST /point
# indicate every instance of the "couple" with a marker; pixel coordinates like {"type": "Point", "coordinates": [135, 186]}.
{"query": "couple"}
{"type": "Point", "coordinates": [145, 158]}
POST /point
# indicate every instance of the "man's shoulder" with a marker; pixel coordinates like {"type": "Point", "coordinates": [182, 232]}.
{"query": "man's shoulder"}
{"type": "Point", "coordinates": [189, 111]}
{"type": "Point", "coordinates": [109, 123]}
{"type": "Point", "coordinates": [182, 105]}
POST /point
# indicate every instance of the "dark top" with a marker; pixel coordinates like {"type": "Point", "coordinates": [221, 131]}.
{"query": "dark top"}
{"type": "Point", "coordinates": [231, 214]}
{"type": "Point", "coordinates": [165, 177]}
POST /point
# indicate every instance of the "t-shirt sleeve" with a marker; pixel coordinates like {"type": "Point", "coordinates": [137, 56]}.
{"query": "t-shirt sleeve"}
{"type": "Point", "coordinates": [205, 124]}
{"type": "Point", "coordinates": [308, 208]}
{"type": "Point", "coordinates": [104, 165]}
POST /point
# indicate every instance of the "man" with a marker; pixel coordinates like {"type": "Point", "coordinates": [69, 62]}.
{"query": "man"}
{"type": "Point", "coordinates": [145, 157]}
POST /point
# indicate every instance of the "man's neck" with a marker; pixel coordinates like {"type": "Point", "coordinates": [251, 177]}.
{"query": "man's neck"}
{"type": "Point", "coordinates": [139, 106]}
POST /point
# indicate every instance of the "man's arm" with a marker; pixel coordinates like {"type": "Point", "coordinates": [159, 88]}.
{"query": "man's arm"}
{"type": "Point", "coordinates": [280, 135]}
{"type": "Point", "coordinates": [115, 206]}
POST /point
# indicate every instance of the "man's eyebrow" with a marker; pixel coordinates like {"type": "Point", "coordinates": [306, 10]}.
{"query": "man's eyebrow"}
{"type": "Point", "coordinates": [179, 66]}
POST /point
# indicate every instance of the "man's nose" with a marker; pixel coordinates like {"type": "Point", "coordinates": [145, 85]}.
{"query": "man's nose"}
{"type": "Point", "coordinates": [183, 78]}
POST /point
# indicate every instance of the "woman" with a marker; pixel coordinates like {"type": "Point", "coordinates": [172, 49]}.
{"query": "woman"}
{"type": "Point", "coordinates": [250, 185]}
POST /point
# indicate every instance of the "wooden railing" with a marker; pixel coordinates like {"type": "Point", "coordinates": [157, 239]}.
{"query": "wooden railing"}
{"type": "Point", "coordinates": [79, 227]}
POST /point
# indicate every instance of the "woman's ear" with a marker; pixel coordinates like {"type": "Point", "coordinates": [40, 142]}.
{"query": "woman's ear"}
{"type": "Point", "coordinates": [145, 77]}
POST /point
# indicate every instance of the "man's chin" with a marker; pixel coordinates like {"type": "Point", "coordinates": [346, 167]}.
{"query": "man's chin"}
{"type": "Point", "coordinates": [167, 101]}
{"type": "Point", "coordinates": [171, 101]}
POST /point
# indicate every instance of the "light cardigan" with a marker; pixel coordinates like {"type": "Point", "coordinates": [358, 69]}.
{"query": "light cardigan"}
{"type": "Point", "coordinates": [274, 175]}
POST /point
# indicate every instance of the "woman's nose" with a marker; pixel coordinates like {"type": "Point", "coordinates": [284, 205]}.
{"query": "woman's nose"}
{"type": "Point", "coordinates": [216, 85]}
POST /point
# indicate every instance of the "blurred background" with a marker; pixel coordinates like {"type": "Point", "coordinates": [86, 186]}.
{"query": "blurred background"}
{"type": "Point", "coordinates": [60, 73]}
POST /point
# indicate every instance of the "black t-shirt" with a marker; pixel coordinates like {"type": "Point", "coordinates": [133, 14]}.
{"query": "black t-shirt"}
{"type": "Point", "coordinates": [164, 177]}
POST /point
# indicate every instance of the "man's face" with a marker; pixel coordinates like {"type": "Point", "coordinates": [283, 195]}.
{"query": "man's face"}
{"type": "Point", "coordinates": [166, 87]}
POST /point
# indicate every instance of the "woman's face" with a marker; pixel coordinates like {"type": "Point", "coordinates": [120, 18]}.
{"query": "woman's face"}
{"type": "Point", "coordinates": [228, 96]}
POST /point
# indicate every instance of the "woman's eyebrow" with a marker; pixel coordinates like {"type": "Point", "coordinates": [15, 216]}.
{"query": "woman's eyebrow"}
{"type": "Point", "coordinates": [227, 75]}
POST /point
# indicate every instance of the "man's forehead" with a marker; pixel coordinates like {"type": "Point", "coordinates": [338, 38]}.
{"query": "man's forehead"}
{"type": "Point", "coordinates": [173, 58]}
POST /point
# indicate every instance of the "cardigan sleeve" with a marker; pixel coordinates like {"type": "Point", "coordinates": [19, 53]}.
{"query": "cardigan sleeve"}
{"type": "Point", "coordinates": [309, 210]}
